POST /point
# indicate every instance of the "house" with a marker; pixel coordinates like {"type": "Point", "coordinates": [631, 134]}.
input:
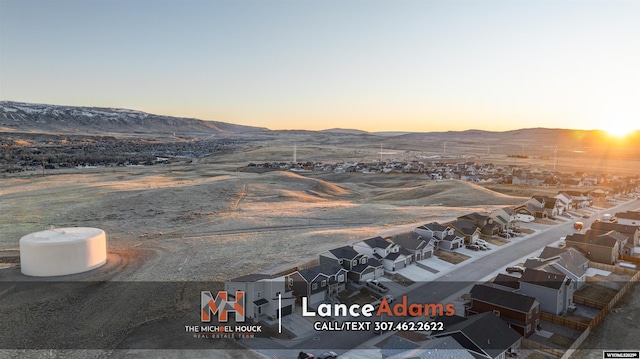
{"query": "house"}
{"type": "Point", "coordinates": [567, 261]}
{"type": "Point", "coordinates": [506, 282]}
{"type": "Point", "coordinates": [579, 199]}
{"type": "Point", "coordinates": [564, 202]}
{"type": "Point", "coordinates": [554, 291]}
{"type": "Point", "coordinates": [602, 248]}
{"type": "Point", "coordinates": [520, 311]}
{"type": "Point", "coordinates": [420, 248]}
{"type": "Point", "coordinates": [534, 208]}
{"type": "Point", "coordinates": [467, 229]}
{"type": "Point", "coordinates": [391, 255]}
{"type": "Point", "coordinates": [553, 208]}
{"type": "Point", "coordinates": [444, 236]}
{"type": "Point", "coordinates": [598, 196]}
{"type": "Point", "coordinates": [631, 218]}
{"type": "Point", "coordinates": [631, 231]}
{"type": "Point", "coordinates": [471, 332]}
{"type": "Point", "coordinates": [484, 222]}
{"type": "Point", "coordinates": [438, 348]}
{"type": "Point", "coordinates": [318, 283]}
{"type": "Point", "coordinates": [505, 217]}
{"type": "Point", "coordinates": [262, 293]}
{"type": "Point", "coordinates": [359, 266]}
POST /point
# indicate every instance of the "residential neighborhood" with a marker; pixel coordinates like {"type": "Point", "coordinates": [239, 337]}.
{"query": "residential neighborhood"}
{"type": "Point", "coordinates": [524, 305]}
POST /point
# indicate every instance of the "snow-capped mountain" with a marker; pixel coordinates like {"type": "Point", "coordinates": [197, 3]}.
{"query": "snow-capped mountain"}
{"type": "Point", "coordinates": [41, 118]}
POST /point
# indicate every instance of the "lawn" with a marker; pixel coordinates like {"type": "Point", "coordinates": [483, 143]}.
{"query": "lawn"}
{"type": "Point", "coordinates": [451, 257]}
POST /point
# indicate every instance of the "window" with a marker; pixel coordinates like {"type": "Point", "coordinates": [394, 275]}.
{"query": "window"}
{"type": "Point", "coordinates": [314, 286]}
{"type": "Point", "coordinates": [323, 283]}
{"type": "Point", "coordinates": [363, 260]}
{"type": "Point", "coordinates": [341, 278]}
{"type": "Point", "coordinates": [496, 312]}
{"type": "Point", "coordinates": [528, 328]}
{"type": "Point", "coordinates": [258, 294]}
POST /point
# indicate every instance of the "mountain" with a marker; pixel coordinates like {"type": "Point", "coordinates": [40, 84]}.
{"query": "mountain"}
{"type": "Point", "coordinates": [56, 119]}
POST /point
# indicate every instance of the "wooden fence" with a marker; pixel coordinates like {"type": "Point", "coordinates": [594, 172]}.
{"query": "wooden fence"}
{"type": "Point", "coordinates": [585, 328]}
{"type": "Point", "coordinates": [530, 344]}
{"type": "Point", "coordinates": [564, 322]}
{"type": "Point", "coordinates": [611, 268]}
{"type": "Point", "coordinates": [630, 259]}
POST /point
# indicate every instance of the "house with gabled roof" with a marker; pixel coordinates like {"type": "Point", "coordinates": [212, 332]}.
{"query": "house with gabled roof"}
{"type": "Point", "coordinates": [568, 261]}
{"type": "Point", "coordinates": [602, 248]}
{"type": "Point", "coordinates": [391, 255]}
{"type": "Point", "coordinates": [533, 207]}
{"type": "Point", "coordinates": [471, 332]}
{"type": "Point", "coordinates": [318, 283]}
{"type": "Point", "coordinates": [264, 294]}
{"type": "Point", "coordinates": [631, 231]}
{"type": "Point", "coordinates": [359, 266]}
{"type": "Point", "coordinates": [437, 348]}
{"type": "Point", "coordinates": [631, 218]}
{"type": "Point", "coordinates": [484, 221]}
{"type": "Point", "coordinates": [521, 312]}
{"type": "Point", "coordinates": [554, 291]}
{"type": "Point", "coordinates": [505, 217]}
{"type": "Point", "coordinates": [419, 247]}
{"type": "Point", "coordinates": [445, 236]}
{"type": "Point", "coordinates": [467, 229]}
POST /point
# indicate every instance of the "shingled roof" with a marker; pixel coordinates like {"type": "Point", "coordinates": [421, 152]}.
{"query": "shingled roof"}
{"type": "Point", "coordinates": [502, 298]}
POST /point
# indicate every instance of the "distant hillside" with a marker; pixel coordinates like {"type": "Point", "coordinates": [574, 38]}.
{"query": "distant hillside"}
{"type": "Point", "coordinates": [41, 118]}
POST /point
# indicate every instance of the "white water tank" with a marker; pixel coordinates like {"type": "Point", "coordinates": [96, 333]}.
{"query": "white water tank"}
{"type": "Point", "coordinates": [62, 251]}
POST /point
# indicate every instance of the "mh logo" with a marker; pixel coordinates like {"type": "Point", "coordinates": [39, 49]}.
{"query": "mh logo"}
{"type": "Point", "coordinates": [221, 305]}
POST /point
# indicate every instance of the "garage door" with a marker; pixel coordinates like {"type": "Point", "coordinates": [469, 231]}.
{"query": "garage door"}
{"type": "Point", "coordinates": [399, 265]}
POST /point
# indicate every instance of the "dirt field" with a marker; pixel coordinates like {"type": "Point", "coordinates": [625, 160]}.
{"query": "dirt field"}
{"type": "Point", "coordinates": [208, 222]}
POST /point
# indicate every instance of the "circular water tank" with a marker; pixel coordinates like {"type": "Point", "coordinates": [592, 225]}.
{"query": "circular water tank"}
{"type": "Point", "coordinates": [62, 251]}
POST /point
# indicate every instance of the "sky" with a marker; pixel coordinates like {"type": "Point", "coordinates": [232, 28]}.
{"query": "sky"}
{"type": "Point", "coordinates": [372, 65]}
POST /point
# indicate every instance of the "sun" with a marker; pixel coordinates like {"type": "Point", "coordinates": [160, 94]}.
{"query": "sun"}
{"type": "Point", "coordinates": [621, 126]}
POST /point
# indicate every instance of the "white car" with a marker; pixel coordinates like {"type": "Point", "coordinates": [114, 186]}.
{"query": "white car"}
{"type": "Point", "coordinates": [481, 242]}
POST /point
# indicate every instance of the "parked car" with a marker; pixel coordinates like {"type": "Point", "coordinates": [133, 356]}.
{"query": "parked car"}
{"type": "Point", "coordinates": [503, 234]}
{"type": "Point", "coordinates": [586, 216]}
{"type": "Point", "coordinates": [328, 355]}
{"type": "Point", "coordinates": [481, 242]}
{"type": "Point", "coordinates": [515, 269]}
{"type": "Point", "coordinates": [474, 247]}
{"type": "Point", "coordinates": [485, 247]}
{"type": "Point", "coordinates": [375, 284]}
{"type": "Point", "coordinates": [303, 355]}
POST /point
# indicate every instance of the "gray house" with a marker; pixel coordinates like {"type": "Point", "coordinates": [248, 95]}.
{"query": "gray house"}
{"type": "Point", "coordinates": [391, 255]}
{"type": "Point", "coordinates": [567, 261]}
{"type": "Point", "coordinates": [445, 236]}
{"type": "Point", "coordinates": [359, 266]}
{"type": "Point", "coordinates": [419, 247]}
{"type": "Point", "coordinates": [554, 291]}
{"type": "Point", "coordinates": [319, 283]}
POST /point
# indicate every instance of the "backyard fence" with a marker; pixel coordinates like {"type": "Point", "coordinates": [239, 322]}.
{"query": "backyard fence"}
{"type": "Point", "coordinates": [564, 322]}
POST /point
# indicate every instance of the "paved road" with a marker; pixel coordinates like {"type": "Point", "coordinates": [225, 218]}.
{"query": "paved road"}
{"type": "Point", "coordinates": [455, 281]}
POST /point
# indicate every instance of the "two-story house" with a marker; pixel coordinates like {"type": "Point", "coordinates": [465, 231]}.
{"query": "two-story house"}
{"type": "Point", "coordinates": [554, 291]}
{"type": "Point", "coordinates": [484, 335]}
{"type": "Point", "coordinates": [391, 255]}
{"type": "Point", "coordinates": [602, 248]}
{"type": "Point", "coordinates": [262, 293]}
{"type": "Point", "coordinates": [318, 283]}
{"type": "Point", "coordinates": [567, 261]}
{"type": "Point", "coordinates": [445, 236]}
{"type": "Point", "coordinates": [419, 247]}
{"type": "Point", "coordinates": [630, 231]}
{"type": "Point", "coordinates": [359, 266]}
{"type": "Point", "coordinates": [630, 218]}
{"type": "Point", "coordinates": [466, 229]}
{"type": "Point", "coordinates": [521, 312]}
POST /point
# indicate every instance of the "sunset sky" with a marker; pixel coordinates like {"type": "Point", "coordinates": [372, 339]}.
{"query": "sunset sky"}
{"type": "Point", "coordinates": [371, 65]}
